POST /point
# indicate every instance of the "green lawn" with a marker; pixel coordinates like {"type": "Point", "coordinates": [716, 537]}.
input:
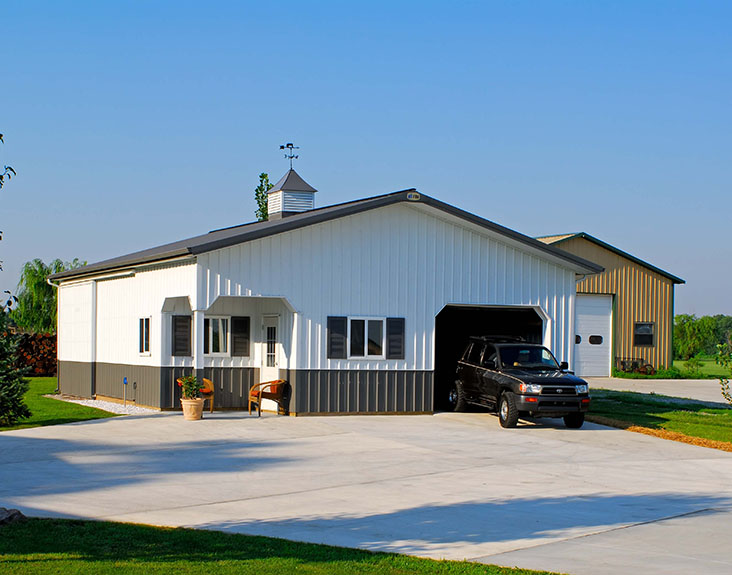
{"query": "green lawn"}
{"type": "Point", "coordinates": [67, 546]}
{"type": "Point", "coordinates": [708, 368]}
{"type": "Point", "coordinates": [658, 412]}
{"type": "Point", "coordinates": [46, 411]}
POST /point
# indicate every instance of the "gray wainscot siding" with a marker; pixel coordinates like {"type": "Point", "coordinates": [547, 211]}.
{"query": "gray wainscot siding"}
{"type": "Point", "coordinates": [231, 385]}
{"type": "Point", "coordinates": [157, 386]}
{"type": "Point", "coordinates": [353, 391]}
{"type": "Point", "coordinates": [76, 378]}
{"type": "Point", "coordinates": [312, 391]}
{"type": "Point", "coordinates": [143, 382]}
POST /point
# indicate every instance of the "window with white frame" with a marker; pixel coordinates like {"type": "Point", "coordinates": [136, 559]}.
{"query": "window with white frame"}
{"type": "Point", "coordinates": [144, 346]}
{"type": "Point", "coordinates": [216, 336]}
{"type": "Point", "coordinates": [365, 337]}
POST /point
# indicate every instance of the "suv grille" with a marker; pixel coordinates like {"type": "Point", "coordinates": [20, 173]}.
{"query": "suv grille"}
{"type": "Point", "coordinates": [554, 390]}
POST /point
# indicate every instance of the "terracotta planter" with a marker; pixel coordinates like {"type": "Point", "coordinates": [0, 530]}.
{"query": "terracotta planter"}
{"type": "Point", "coordinates": [192, 408]}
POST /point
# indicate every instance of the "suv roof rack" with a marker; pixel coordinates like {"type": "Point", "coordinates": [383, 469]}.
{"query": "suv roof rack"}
{"type": "Point", "coordinates": [498, 338]}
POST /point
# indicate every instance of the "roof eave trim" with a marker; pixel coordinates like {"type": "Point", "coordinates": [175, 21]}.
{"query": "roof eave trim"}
{"type": "Point", "coordinates": [631, 257]}
{"type": "Point", "coordinates": [83, 272]}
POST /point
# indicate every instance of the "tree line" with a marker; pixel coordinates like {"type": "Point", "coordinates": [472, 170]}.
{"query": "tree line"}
{"type": "Point", "coordinates": [701, 335]}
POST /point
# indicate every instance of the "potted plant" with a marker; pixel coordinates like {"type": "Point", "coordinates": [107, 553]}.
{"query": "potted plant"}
{"type": "Point", "coordinates": [191, 399]}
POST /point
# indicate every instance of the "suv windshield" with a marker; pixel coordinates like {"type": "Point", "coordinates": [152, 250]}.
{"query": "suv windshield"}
{"type": "Point", "coordinates": [527, 356]}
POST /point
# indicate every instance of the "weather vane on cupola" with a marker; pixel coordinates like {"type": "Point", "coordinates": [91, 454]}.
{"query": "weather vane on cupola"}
{"type": "Point", "coordinates": [289, 154]}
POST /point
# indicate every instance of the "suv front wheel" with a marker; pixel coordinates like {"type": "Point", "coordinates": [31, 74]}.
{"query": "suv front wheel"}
{"type": "Point", "coordinates": [507, 411]}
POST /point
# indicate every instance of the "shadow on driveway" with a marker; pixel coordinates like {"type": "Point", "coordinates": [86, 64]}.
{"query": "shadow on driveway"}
{"type": "Point", "coordinates": [419, 529]}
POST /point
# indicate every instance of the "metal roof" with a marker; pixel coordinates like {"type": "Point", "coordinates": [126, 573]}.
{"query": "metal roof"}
{"type": "Point", "coordinates": [553, 240]}
{"type": "Point", "coordinates": [226, 237]}
{"type": "Point", "coordinates": [292, 182]}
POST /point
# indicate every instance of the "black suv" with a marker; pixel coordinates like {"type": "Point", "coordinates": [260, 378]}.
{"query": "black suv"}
{"type": "Point", "coordinates": [517, 379]}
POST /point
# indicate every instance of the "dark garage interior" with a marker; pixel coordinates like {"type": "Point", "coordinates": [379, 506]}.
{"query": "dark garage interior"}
{"type": "Point", "coordinates": [456, 323]}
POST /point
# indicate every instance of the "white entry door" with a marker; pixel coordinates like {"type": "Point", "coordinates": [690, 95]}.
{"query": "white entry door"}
{"type": "Point", "coordinates": [270, 355]}
{"type": "Point", "coordinates": [593, 335]}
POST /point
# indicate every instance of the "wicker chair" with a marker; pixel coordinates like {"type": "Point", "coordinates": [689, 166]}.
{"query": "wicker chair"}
{"type": "Point", "coordinates": [277, 391]}
{"type": "Point", "coordinates": [207, 391]}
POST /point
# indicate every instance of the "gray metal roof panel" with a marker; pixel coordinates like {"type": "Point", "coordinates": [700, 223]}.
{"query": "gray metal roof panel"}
{"type": "Point", "coordinates": [292, 182]}
{"type": "Point", "coordinates": [225, 237]}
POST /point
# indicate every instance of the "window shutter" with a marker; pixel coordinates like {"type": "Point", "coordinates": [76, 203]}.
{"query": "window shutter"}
{"type": "Point", "coordinates": [240, 336]}
{"type": "Point", "coordinates": [182, 335]}
{"type": "Point", "coordinates": [394, 338]}
{"type": "Point", "coordinates": [337, 334]}
{"type": "Point", "coordinates": [142, 335]}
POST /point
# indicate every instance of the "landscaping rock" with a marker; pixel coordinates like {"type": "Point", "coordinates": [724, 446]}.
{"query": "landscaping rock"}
{"type": "Point", "coordinates": [10, 516]}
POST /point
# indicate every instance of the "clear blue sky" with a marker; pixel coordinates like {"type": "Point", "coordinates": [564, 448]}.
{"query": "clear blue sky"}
{"type": "Point", "coordinates": [132, 124]}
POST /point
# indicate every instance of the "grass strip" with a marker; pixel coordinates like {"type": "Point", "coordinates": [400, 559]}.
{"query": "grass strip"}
{"type": "Point", "coordinates": [708, 368]}
{"type": "Point", "coordinates": [41, 546]}
{"type": "Point", "coordinates": [660, 416]}
{"type": "Point", "coordinates": [47, 411]}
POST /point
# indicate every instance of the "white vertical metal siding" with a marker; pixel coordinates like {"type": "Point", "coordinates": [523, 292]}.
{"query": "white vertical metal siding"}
{"type": "Point", "coordinates": [401, 261]}
{"type": "Point", "coordinates": [75, 311]}
{"type": "Point", "coordinates": [121, 302]}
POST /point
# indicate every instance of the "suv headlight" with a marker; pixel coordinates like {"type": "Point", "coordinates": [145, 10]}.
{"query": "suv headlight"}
{"type": "Point", "coordinates": [530, 388]}
{"type": "Point", "coordinates": [582, 388]}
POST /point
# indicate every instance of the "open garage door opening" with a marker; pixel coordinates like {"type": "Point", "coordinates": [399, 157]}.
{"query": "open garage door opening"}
{"type": "Point", "coordinates": [456, 323]}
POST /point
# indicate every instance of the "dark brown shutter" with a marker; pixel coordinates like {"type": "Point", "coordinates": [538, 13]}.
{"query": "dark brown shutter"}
{"type": "Point", "coordinates": [240, 336]}
{"type": "Point", "coordinates": [337, 334]}
{"type": "Point", "coordinates": [394, 338]}
{"type": "Point", "coordinates": [182, 335]}
{"type": "Point", "coordinates": [142, 335]}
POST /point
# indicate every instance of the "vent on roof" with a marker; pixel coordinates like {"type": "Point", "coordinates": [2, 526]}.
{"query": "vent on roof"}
{"type": "Point", "coordinates": [291, 195]}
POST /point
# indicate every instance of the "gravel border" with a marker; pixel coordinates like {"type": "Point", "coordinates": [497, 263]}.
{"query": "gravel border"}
{"type": "Point", "coordinates": [110, 406]}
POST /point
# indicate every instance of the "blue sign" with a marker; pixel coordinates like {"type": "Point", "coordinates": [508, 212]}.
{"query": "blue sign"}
{"type": "Point", "coordinates": [125, 381]}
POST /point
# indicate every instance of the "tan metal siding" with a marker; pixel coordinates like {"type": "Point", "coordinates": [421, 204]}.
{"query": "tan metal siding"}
{"type": "Point", "coordinates": [641, 295]}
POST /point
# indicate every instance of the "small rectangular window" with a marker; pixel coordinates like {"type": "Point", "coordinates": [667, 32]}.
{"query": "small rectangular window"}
{"type": "Point", "coordinates": [643, 335]}
{"type": "Point", "coordinates": [376, 337]}
{"type": "Point", "coordinates": [181, 335]}
{"type": "Point", "coordinates": [271, 346]}
{"type": "Point", "coordinates": [144, 335]}
{"type": "Point", "coordinates": [337, 337]}
{"type": "Point", "coordinates": [216, 336]}
{"type": "Point", "coordinates": [367, 338]}
{"type": "Point", "coordinates": [358, 337]}
{"type": "Point", "coordinates": [240, 338]}
{"type": "Point", "coordinates": [474, 354]}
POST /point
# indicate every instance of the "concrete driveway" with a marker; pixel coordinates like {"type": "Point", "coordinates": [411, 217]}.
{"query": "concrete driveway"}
{"type": "Point", "coordinates": [595, 500]}
{"type": "Point", "coordinates": [706, 390]}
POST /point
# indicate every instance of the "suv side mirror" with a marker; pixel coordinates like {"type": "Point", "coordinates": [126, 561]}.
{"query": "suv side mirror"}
{"type": "Point", "coordinates": [489, 364]}
{"type": "Point", "coordinates": [564, 366]}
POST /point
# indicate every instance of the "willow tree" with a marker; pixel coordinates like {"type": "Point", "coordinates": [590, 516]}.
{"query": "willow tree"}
{"type": "Point", "coordinates": [36, 307]}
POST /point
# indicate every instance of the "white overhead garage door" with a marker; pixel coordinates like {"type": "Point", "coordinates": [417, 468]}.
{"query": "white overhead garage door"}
{"type": "Point", "coordinates": [593, 341]}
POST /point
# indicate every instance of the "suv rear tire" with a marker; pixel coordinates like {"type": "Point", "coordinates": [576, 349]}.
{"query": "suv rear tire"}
{"type": "Point", "coordinates": [507, 411]}
{"type": "Point", "coordinates": [574, 420]}
{"type": "Point", "coordinates": [456, 397]}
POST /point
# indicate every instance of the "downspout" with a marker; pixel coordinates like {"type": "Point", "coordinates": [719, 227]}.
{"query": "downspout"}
{"type": "Point", "coordinates": [94, 341]}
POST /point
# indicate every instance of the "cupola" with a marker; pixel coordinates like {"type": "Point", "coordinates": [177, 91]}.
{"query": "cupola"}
{"type": "Point", "coordinates": [291, 195]}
